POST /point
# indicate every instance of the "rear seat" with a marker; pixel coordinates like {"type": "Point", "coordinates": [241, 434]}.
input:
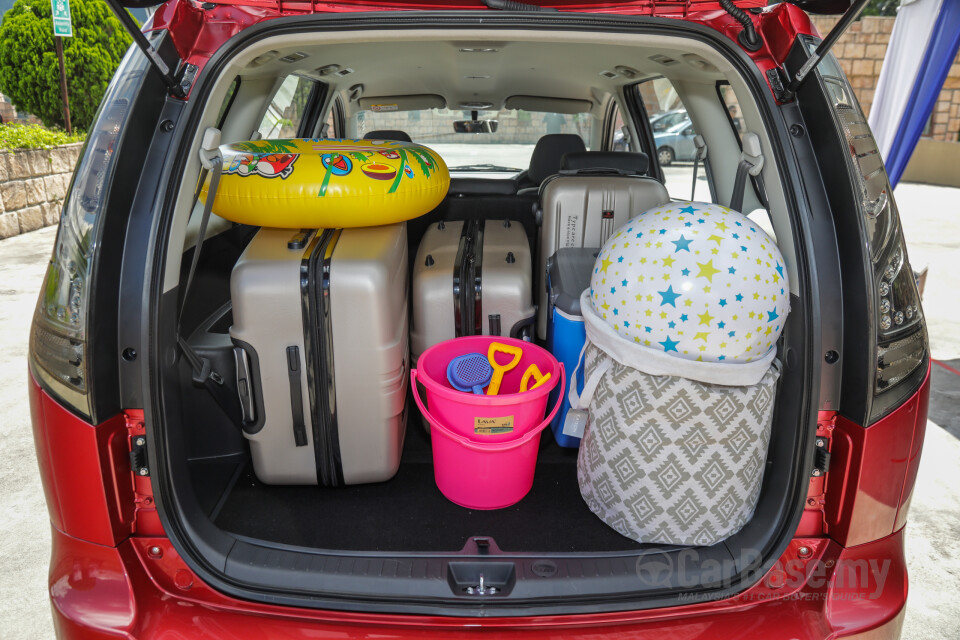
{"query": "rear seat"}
{"type": "Point", "coordinates": [546, 159]}
{"type": "Point", "coordinates": [594, 193]}
{"type": "Point", "coordinates": [388, 134]}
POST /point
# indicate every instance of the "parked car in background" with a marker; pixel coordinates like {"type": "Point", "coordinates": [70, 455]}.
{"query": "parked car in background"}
{"type": "Point", "coordinates": [668, 119]}
{"type": "Point", "coordinates": [676, 143]}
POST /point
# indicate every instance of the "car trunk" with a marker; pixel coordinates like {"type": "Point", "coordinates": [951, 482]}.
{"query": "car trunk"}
{"type": "Point", "coordinates": [371, 546]}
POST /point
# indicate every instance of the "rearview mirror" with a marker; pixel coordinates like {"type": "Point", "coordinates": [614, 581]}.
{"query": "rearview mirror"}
{"type": "Point", "coordinates": [475, 126]}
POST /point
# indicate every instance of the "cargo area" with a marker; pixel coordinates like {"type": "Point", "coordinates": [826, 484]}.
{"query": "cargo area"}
{"type": "Point", "coordinates": [301, 526]}
{"type": "Point", "coordinates": [409, 514]}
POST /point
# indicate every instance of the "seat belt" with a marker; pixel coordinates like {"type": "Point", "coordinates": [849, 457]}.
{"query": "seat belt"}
{"type": "Point", "coordinates": [203, 373]}
{"type": "Point", "coordinates": [698, 157]}
{"type": "Point", "coordinates": [751, 162]}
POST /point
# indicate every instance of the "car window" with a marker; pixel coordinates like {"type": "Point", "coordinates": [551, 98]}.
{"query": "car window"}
{"type": "Point", "coordinates": [619, 137]}
{"type": "Point", "coordinates": [227, 102]}
{"type": "Point", "coordinates": [286, 109]}
{"type": "Point", "coordinates": [729, 99]}
{"type": "Point", "coordinates": [509, 147]}
{"type": "Point", "coordinates": [673, 135]}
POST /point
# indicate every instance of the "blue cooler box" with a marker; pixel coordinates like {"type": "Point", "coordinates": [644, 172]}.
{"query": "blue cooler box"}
{"type": "Point", "coordinates": [568, 274]}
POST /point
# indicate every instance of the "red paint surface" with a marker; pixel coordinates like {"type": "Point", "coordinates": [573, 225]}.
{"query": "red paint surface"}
{"type": "Point", "coordinates": [85, 470]}
{"type": "Point", "coordinates": [132, 590]}
{"type": "Point", "coordinates": [871, 469]}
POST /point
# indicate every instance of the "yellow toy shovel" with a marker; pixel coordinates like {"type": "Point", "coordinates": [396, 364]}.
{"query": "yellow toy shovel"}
{"type": "Point", "coordinates": [533, 371]}
{"type": "Point", "coordinates": [500, 369]}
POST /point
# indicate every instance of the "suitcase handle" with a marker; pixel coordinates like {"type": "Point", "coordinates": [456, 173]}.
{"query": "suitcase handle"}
{"type": "Point", "coordinates": [486, 446]}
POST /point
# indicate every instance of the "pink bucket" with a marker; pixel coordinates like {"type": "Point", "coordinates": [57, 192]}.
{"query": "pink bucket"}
{"type": "Point", "coordinates": [484, 475]}
{"type": "Point", "coordinates": [511, 413]}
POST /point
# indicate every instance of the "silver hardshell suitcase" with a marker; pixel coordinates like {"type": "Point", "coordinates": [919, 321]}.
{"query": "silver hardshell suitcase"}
{"type": "Point", "coordinates": [471, 278]}
{"type": "Point", "coordinates": [582, 210]}
{"type": "Point", "coordinates": [320, 325]}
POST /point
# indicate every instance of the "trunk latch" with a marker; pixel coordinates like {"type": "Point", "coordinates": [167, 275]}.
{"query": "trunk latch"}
{"type": "Point", "coordinates": [480, 589]}
{"type": "Point", "coordinates": [821, 459]}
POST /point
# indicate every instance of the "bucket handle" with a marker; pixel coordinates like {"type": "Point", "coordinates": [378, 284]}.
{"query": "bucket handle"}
{"type": "Point", "coordinates": [486, 446]}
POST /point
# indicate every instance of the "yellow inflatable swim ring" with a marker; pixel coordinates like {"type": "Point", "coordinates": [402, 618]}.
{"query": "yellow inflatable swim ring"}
{"type": "Point", "coordinates": [306, 183]}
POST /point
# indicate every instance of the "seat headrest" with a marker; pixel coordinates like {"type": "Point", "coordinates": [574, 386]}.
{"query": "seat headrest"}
{"type": "Point", "coordinates": [388, 134]}
{"type": "Point", "coordinates": [615, 161]}
{"type": "Point", "coordinates": [545, 160]}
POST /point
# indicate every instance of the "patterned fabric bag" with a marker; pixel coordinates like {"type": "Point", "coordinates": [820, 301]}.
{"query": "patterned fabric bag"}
{"type": "Point", "coordinates": [668, 459]}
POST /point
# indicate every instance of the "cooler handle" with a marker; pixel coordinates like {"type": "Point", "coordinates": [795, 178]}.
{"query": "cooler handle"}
{"type": "Point", "coordinates": [486, 446]}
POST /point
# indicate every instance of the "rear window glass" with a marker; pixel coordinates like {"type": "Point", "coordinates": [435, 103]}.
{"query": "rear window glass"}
{"type": "Point", "coordinates": [730, 101]}
{"type": "Point", "coordinates": [673, 134]}
{"type": "Point", "coordinates": [286, 109]}
{"type": "Point", "coordinates": [507, 148]}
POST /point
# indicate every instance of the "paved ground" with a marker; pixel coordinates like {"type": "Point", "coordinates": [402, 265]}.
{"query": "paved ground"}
{"type": "Point", "coordinates": [932, 225]}
{"type": "Point", "coordinates": [24, 526]}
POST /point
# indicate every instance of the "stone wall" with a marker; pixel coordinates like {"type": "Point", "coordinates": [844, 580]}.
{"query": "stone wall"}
{"type": "Point", "coordinates": [861, 51]}
{"type": "Point", "coordinates": [32, 187]}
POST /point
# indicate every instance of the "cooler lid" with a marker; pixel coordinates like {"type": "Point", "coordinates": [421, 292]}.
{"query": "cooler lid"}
{"type": "Point", "coordinates": [569, 272]}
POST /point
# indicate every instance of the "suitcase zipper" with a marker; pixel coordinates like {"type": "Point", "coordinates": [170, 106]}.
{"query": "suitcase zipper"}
{"type": "Point", "coordinates": [318, 344]}
{"type": "Point", "coordinates": [460, 272]}
{"type": "Point", "coordinates": [467, 281]}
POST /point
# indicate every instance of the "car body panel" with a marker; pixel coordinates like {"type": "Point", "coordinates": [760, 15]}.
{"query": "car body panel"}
{"type": "Point", "coordinates": [142, 588]}
{"type": "Point", "coordinates": [113, 572]}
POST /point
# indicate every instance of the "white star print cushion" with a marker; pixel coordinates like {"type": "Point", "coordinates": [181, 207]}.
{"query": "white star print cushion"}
{"type": "Point", "coordinates": [696, 282]}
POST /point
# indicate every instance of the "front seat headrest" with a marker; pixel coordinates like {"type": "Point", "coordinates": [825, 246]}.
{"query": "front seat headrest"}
{"type": "Point", "coordinates": [615, 161]}
{"type": "Point", "coordinates": [388, 134]}
{"type": "Point", "coordinates": [545, 160]}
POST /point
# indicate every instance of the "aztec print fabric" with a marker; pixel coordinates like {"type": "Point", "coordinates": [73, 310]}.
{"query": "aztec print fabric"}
{"type": "Point", "coordinates": [670, 460]}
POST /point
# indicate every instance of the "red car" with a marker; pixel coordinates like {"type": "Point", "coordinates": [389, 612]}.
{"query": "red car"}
{"type": "Point", "coordinates": [161, 529]}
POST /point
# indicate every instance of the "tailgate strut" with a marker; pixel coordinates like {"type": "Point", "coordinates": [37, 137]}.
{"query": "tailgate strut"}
{"type": "Point", "coordinates": [851, 14]}
{"type": "Point", "coordinates": [141, 41]}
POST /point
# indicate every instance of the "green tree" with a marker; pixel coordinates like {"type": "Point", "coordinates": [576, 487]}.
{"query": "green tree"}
{"type": "Point", "coordinates": [29, 72]}
{"type": "Point", "coordinates": [881, 8]}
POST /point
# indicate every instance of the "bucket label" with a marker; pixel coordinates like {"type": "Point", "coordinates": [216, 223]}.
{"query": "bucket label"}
{"type": "Point", "coordinates": [493, 426]}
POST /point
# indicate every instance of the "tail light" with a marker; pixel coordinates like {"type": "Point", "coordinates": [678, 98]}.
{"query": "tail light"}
{"type": "Point", "coordinates": [901, 340]}
{"type": "Point", "coordinates": [58, 340]}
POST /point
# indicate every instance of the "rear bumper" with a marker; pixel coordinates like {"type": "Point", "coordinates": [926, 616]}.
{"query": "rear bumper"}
{"type": "Point", "coordinates": [142, 589]}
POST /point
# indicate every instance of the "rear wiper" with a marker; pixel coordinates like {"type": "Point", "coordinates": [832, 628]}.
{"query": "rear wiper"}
{"type": "Point", "coordinates": [483, 167]}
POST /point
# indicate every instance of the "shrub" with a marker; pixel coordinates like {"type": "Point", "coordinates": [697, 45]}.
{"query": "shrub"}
{"type": "Point", "coordinates": [31, 136]}
{"type": "Point", "coordinates": [30, 73]}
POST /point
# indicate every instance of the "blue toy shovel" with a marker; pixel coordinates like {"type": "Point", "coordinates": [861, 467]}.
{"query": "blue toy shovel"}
{"type": "Point", "coordinates": [470, 372]}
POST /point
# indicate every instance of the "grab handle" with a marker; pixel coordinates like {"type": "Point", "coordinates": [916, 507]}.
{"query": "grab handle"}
{"type": "Point", "coordinates": [486, 446]}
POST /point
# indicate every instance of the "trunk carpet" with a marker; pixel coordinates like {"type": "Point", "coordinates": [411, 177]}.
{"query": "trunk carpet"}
{"type": "Point", "coordinates": [409, 513]}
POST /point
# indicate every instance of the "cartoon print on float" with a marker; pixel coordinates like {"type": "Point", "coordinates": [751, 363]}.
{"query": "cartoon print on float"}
{"type": "Point", "coordinates": [356, 180]}
{"type": "Point", "coordinates": [274, 165]}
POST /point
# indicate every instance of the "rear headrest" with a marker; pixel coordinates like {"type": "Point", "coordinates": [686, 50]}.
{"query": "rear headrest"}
{"type": "Point", "coordinates": [388, 134]}
{"type": "Point", "coordinates": [545, 160]}
{"type": "Point", "coordinates": [615, 161]}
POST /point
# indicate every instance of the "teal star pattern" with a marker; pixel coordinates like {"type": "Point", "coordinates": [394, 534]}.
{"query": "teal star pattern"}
{"type": "Point", "coordinates": [669, 297]}
{"type": "Point", "coordinates": [682, 244]}
{"type": "Point", "coordinates": [669, 345]}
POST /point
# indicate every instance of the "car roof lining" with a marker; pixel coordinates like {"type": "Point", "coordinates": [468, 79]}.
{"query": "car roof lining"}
{"type": "Point", "coordinates": [385, 63]}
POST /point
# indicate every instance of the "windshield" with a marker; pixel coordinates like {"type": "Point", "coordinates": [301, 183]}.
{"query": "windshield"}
{"type": "Point", "coordinates": [507, 149]}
